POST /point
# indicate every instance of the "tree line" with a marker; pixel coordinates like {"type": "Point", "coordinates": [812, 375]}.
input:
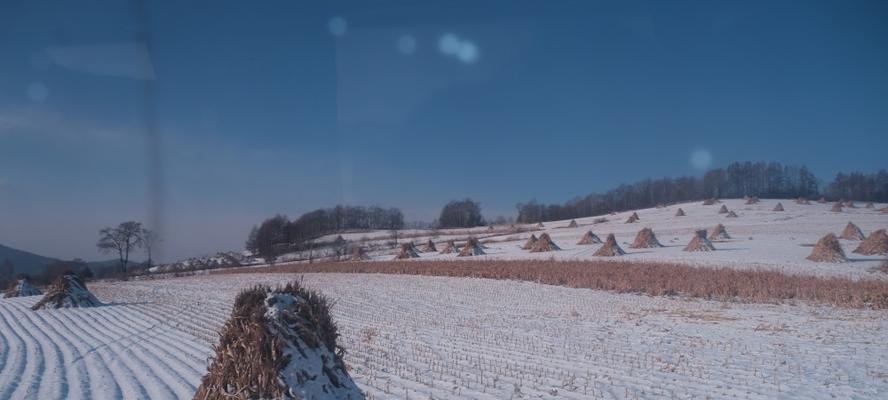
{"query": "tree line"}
{"type": "Point", "coordinates": [738, 179]}
{"type": "Point", "coordinates": [859, 186]}
{"type": "Point", "coordinates": [278, 234]}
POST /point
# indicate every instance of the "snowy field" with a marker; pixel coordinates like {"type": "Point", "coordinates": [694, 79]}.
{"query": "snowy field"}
{"type": "Point", "coordinates": [417, 337]}
{"type": "Point", "coordinates": [760, 237]}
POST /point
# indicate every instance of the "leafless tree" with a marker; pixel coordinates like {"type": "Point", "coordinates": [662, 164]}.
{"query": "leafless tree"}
{"type": "Point", "coordinates": [149, 240]}
{"type": "Point", "coordinates": [123, 239]}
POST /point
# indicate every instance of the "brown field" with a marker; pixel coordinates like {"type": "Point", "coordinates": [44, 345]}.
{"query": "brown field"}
{"type": "Point", "coordinates": [656, 279]}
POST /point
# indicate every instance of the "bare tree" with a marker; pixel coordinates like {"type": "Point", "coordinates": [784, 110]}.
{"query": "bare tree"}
{"type": "Point", "coordinates": [149, 239]}
{"type": "Point", "coordinates": [125, 238]}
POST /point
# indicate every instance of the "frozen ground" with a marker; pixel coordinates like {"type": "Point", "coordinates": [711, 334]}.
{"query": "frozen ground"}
{"type": "Point", "coordinates": [761, 238]}
{"type": "Point", "coordinates": [414, 337]}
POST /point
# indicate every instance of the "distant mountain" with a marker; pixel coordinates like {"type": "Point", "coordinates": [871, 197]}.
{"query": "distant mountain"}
{"type": "Point", "coordinates": [34, 264]}
{"type": "Point", "coordinates": [24, 261]}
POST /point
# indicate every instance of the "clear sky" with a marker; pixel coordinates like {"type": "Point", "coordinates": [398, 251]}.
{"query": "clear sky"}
{"type": "Point", "coordinates": [286, 106]}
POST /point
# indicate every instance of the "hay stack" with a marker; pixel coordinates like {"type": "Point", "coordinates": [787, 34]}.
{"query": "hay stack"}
{"type": "Point", "coordinates": [837, 207]}
{"type": "Point", "coordinates": [752, 200]}
{"type": "Point", "coordinates": [589, 238]}
{"type": "Point", "coordinates": [632, 218]}
{"type": "Point", "coordinates": [869, 205]}
{"type": "Point", "coordinates": [68, 291]}
{"type": "Point", "coordinates": [876, 243]}
{"type": "Point", "coordinates": [449, 247]}
{"type": "Point", "coordinates": [723, 209]}
{"type": "Point", "coordinates": [822, 200]}
{"type": "Point", "coordinates": [428, 247]}
{"type": "Point", "coordinates": [530, 242]}
{"type": "Point", "coordinates": [21, 288]}
{"type": "Point", "coordinates": [278, 344]}
{"type": "Point", "coordinates": [645, 239]}
{"type": "Point", "coordinates": [731, 215]}
{"type": "Point", "coordinates": [356, 253]}
{"type": "Point", "coordinates": [803, 201]}
{"type": "Point", "coordinates": [852, 232]}
{"type": "Point", "coordinates": [661, 205]}
{"type": "Point", "coordinates": [540, 225]}
{"type": "Point", "coordinates": [408, 250]}
{"type": "Point", "coordinates": [680, 213]}
{"type": "Point", "coordinates": [472, 248]}
{"type": "Point", "coordinates": [699, 243]}
{"type": "Point", "coordinates": [610, 248]}
{"type": "Point", "coordinates": [709, 201]}
{"type": "Point", "coordinates": [544, 244]}
{"type": "Point", "coordinates": [718, 232]}
{"type": "Point", "coordinates": [850, 204]}
{"type": "Point", "coordinates": [572, 224]}
{"type": "Point", "coordinates": [778, 207]}
{"type": "Point", "coordinates": [828, 249]}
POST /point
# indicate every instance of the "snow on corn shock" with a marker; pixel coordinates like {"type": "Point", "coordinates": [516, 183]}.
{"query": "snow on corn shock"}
{"type": "Point", "coordinates": [68, 291]}
{"type": "Point", "coordinates": [21, 288]}
{"type": "Point", "coordinates": [279, 344]}
{"type": "Point", "coordinates": [314, 370]}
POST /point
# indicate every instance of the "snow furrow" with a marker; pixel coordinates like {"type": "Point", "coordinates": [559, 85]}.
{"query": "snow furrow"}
{"type": "Point", "coordinates": [72, 376]}
{"type": "Point", "coordinates": [101, 338]}
{"type": "Point", "coordinates": [100, 379]}
{"type": "Point", "coordinates": [162, 346]}
{"type": "Point", "coordinates": [35, 363]}
{"type": "Point", "coordinates": [153, 372]}
{"type": "Point", "coordinates": [14, 366]}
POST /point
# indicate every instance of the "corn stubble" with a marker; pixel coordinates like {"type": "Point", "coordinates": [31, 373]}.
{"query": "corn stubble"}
{"type": "Point", "coordinates": [712, 283]}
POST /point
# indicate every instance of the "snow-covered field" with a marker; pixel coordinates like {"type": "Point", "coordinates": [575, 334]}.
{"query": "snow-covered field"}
{"type": "Point", "coordinates": [417, 337]}
{"type": "Point", "coordinates": [420, 337]}
{"type": "Point", "coordinates": [760, 237]}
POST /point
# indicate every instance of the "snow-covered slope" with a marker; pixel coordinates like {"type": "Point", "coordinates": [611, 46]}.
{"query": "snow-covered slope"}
{"type": "Point", "coordinates": [423, 337]}
{"type": "Point", "coordinates": [760, 237]}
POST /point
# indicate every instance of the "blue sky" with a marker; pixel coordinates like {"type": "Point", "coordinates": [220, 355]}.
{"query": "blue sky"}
{"type": "Point", "coordinates": [283, 107]}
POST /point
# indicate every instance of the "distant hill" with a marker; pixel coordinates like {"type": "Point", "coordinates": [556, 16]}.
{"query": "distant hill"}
{"type": "Point", "coordinates": [24, 261]}
{"type": "Point", "coordinates": [34, 264]}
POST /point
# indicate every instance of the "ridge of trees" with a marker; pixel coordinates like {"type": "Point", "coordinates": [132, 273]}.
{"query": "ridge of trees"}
{"type": "Point", "coordinates": [738, 179]}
